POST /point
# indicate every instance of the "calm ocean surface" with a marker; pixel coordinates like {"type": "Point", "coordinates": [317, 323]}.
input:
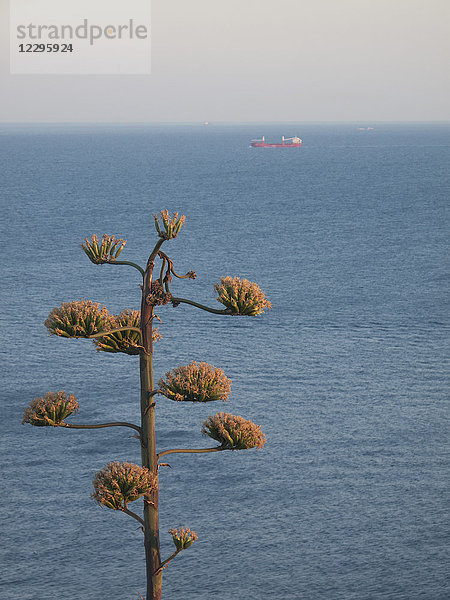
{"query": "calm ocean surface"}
{"type": "Point", "coordinates": [348, 374]}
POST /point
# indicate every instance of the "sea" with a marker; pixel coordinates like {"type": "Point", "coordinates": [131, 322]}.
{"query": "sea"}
{"type": "Point", "coordinates": [347, 374]}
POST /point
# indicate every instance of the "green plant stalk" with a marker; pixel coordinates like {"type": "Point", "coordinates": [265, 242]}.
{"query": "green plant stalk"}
{"type": "Point", "coordinates": [148, 439]}
{"type": "Point", "coordinates": [167, 561]}
{"type": "Point", "coordinates": [216, 311]}
{"type": "Point", "coordinates": [191, 451]}
{"type": "Point", "coordinates": [115, 330]}
{"type": "Point", "coordinates": [101, 426]}
{"type": "Point", "coordinates": [126, 262]}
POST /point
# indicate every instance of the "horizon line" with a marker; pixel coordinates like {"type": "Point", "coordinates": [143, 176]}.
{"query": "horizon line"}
{"type": "Point", "coordinates": [206, 123]}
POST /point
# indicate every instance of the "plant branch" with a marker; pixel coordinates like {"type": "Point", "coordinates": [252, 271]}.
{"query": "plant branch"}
{"type": "Point", "coordinates": [109, 331]}
{"type": "Point", "coordinates": [225, 311]}
{"type": "Point", "coordinates": [101, 426]}
{"type": "Point", "coordinates": [190, 451]}
{"type": "Point", "coordinates": [126, 262]}
{"type": "Point", "coordinates": [129, 512]}
{"type": "Point", "coordinates": [187, 276]}
{"type": "Point", "coordinates": [165, 564]}
{"type": "Point", "coordinates": [155, 251]}
{"type": "Point", "coordinates": [171, 270]}
{"type": "Point", "coordinates": [161, 273]}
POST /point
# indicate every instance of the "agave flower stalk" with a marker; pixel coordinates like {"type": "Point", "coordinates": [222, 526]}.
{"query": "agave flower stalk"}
{"type": "Point", "coordinates": [133, 333]}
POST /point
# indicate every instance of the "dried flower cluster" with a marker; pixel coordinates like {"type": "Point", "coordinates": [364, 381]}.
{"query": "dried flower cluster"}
{"type": "Point", "coordinates": [129, 341]}
{"type": "Point", "coordinates": [158, 295]}
{"type": "Point", "coordinates": [196, 382]}
{"type": "Point", "coordinates": [105, 251]}
{"type": "Point", "coordinates": [120, 483]}
{"type": "Point", "coordinates": [50, 410]}
{"type": "Point", "coordinates": [241, 296]}
{"type": "Point", "coordinates": [233, 432]}
{"type": "Point", "coordinates": [170, 226]}
{"type": "Point", "coordinates": [183, 538]}
{"type": "Point", "coordinates": [80, 318]}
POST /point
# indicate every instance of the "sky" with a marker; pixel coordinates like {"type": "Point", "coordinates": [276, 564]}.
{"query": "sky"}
{"type": "Point", "coordinates": [259, 60]}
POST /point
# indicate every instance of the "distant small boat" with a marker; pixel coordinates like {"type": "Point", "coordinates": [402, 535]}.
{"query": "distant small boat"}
{"type": "Point", "coordinates": [293, 142]}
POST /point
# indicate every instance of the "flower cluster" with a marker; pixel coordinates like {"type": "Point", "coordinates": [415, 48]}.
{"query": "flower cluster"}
{"type": "Point", "coordinates": [128, 342]}
{"type": "Point", "coordinates": [50, 410]}
{"type": "Point", "coordinates": [196, 382]}
{"type": "Point", "coordinates": [80, 318]}
{"type": "Point", "coordinates": [241, 296]}
{"type": "Point", "coordinates": [158, 296]}
{"type": "Point", "coordinates": [233, 433]}
{"type": "Point", "coordinates": [183, 538]}
{"type": "Point", "coordinates": [105, 251]}
{"type": "Point", "coordinates": [120, 483]}
{"type": "Point", "coordinates": [170, 226]}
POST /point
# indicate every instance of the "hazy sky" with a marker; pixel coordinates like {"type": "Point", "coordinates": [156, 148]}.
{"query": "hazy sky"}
{"type": "Point", "coordinates": [260, 60]}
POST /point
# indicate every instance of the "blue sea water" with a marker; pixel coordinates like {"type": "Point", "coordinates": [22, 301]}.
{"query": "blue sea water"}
{"type": "Point", "coordinates": [347, 375]}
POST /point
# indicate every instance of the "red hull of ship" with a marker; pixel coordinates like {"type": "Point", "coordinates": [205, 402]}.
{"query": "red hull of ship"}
{"type": "Point", "coordinates": [266, 145]}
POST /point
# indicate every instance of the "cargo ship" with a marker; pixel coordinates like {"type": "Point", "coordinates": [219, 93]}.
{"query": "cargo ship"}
{"type": "Point", "coordinates": [293, 142]}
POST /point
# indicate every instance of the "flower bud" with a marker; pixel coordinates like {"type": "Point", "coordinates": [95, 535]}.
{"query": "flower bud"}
{"type": "Point", "coordinates": [183, 538]}
{"type": "Point", "coordinates": [170, 227]}
{"type": "Point", "coordinates": [108, 250]}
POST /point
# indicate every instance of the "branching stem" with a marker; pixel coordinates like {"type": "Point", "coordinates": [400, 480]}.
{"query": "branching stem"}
{"type": "Point", "coordinates": [126, 262]}
{"type": "Point", "coordinates": [225, 311]}
{"type": "Point", "coordinates": [170, 268]}
{"type": "Point", "coordinates": [129, 512]}
{"type": "Point", "coordinates": [165, 564]}
{"type": "Point", "coordinates": [105, 333]}
{"type": "Point", "coordinates": [190, 451]}
{"type": "Point", "coordinates": [161, 273]}
{"type": "Point", "coordinates": [102, 425]}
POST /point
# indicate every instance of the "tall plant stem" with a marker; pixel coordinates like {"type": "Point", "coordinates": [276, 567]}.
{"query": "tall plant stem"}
{"type": "Point", "coordinates": [148, 440]}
